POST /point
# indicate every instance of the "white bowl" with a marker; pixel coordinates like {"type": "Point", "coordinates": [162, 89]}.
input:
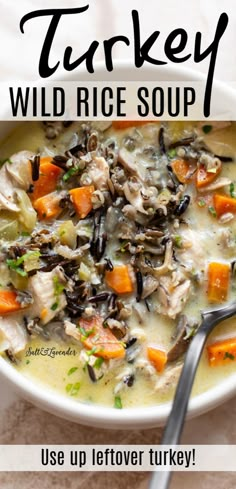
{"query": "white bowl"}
{"type": "Point", "coordinates": [100, 416]}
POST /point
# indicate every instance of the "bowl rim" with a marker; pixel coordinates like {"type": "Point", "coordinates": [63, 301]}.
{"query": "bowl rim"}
{"type": "Point", "coordinates": [102, 416]}
{"type": "Point", "coordinates": [108, 417]}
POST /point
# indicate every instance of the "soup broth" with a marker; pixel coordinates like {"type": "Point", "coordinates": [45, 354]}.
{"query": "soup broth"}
{"type": "Point", "coordinates": [65, 353]}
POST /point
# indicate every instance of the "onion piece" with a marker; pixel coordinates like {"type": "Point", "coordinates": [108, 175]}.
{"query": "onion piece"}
{"type": "Point", "coordinates": [27, 215]}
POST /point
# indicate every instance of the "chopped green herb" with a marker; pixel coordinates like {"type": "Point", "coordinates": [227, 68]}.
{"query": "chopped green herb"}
{"type": "Point", "coordinates": [85, 333]}
{"type": "Point", "coordinates": [73, 389]}
{"type": "Point", "coordinates": [16, 264]}
{"type": "Point", "coordinates": [212, 211]}
{"type": "Point", "coordinates": [12, 265]}
{"type": "Point", "coordinates": [92, 351]}
{"type": "Point", "coordinates": [54, 306]}
{"type": "Point", "coordinates": [98, 362]}
{"type": "Point", "coordinates": [231, 190]}
{"type": "Point", "coordinates": [191, 331]}
{"type": "Point", "coordinates": [171, 153]}
{"type": "Point", "coordinates": [72, 370]}
{"type": "Point", "coordinates": [6, 160]}
{"type": "Point", "coordinates": [27, 362]}
{"type": "Point", "coordinates": [59, 287]}
{"type": "Point", "coordinates": [207, 128]}
{"type": "Point", "coordinates": [229, 355]}
{"type": "Point", "coordinates": [123, 246]}
{"type": "Point", "coordinates": [178, 241]}
{"type": "Point", "coordinates": [70, 173]}
{"type": "Point", "coordinates": [68, 388]}
{"type": "Point", "coordinates": [25, 233]}
{"type": "Point", "coordinates": [201, 203]}
{"type": "Point", "coordinates": [117, 402]}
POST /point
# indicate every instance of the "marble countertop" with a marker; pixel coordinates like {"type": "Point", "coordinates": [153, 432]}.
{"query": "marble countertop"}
{"type": "Point", "coordinates": [21, 422]}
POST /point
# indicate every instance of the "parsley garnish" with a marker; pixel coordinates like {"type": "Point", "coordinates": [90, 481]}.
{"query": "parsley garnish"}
{"type": "Point", "coordinates": [12, 264]}
{"type": "Point", "coordinates": [59, 287]}
{"type": "Point", "coordinates": [85, 333]}
{"type": "Point", "coordinates": [207, 128]}
{"type": "Point", "coordinates": [229, 355]}
{"type": "Point", "coordinates": [16, 264]}
{"type": "Point", "coordinates": [231, 190]}
{"type": "Point", "coordinates": [72, 370]}
{"type": "Point", "coordinates": [98, 362]}
{"type": "Point", "coordinates": [6, 160]}
{"type": "Point", "coordinates": [70, 173]}
{"type": "Point", "coordinates": [123, 246]}
{"type": "Point", "coordinates": [171, 153]}
{"type": "Point", "coordinates": [212, 211]}
{"type": "Point", "coordinates": [73, 389]}
{"type": "Point", "coordinates": [201, 203]}
{"type": "Point", "coordinates": [190, 332]}
{"type": "Point", "coordinates": [178, 241]}
{"type": "Point", "coordinates": [92, 351]}
{"type": "Point", "coordinates": [117, 402]}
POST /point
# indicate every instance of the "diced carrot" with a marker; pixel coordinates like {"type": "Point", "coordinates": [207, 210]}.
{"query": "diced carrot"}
{"type": "Point", "coordinates": [100, 340]}
{"type": "Point", "coordinates": [82, 200]}
{"type": "Point", "coordinates": [157, 357]}
{"type": "Point", "coordinates": [182, 170]}
{"type": "Point", "coordinates": [205, 177]}
{"type": "Point", "coordinates": [8, 302]}
{"type": "Point", "coordinates": [48, 178]}
{"type": "Point", "coordinates": [218, 281]}
{"type": "Point", "coordinates": [222, 352]}
{"type": "Point", "coordinates": [48, 206]}
{"type": "Point", "coordinates": [44, 313]}
{"type": "Point", "coordinates": [223, 204]}
{"type": "Point", "coordinates": [119, 279]}
{"type": "Point", "coordinates": [126, 124]}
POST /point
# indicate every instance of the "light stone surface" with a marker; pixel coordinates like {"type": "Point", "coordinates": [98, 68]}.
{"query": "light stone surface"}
{"type": "Point", "coordinates": [21, 422]}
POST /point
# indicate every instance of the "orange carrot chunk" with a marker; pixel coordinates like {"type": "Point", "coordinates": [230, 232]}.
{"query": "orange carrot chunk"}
{"type": "Point", "coordinates": [205, 177]}
{"type": "Point", "coordinates": [101, 341]}
{"type": "Point", "coordinates": [8, 302]}
{"type": "Point", "coordinates": [222, 352]}
{"type": "Point", "coordinates": [126, 124]}
{"type": "Point", "coordinates": [48, 179]}
{"type": "Point", "coordinates": [48, 206]}
{"type": "Point", "coordinates": [157, 357]}
{"type": "Point", "coordinates": [218, 281]}
{"type": "Point", "coordinates": [82, 200]}
{"type": "Point", "coordinates": [223, 204]}
{"type": "Point", "coordinates": [182, 170]}
{"type": "Point", "coordinates": [119, 279]}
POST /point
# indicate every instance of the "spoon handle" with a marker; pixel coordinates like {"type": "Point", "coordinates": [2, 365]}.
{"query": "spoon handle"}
{"type": "Point", "coordinates": [173, 430]}
{"type": "Point", "coordinates": [174, 427]}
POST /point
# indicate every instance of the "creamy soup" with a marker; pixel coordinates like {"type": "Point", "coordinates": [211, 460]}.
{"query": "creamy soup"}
{"type": "Point", "coordinates": [113, 238]}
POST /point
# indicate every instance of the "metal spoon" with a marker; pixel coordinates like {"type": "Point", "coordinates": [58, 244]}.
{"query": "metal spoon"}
{"type": "Point", "coordinates": [175, 423]}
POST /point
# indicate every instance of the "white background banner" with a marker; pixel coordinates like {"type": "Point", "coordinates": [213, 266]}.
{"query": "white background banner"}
{"type": "Point", "coordinates": [136, 100]}
{"type": "Point", "coordinates": [20, 458]}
